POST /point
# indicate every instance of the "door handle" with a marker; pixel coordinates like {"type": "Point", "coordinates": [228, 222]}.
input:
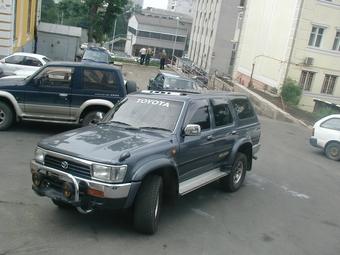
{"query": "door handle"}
{"type": "Point", "coordinates": [233, 132]}
{"type": "Point", "coordinates": [63, 95]}
{"type": "Point", "coordinates": [210, 137]}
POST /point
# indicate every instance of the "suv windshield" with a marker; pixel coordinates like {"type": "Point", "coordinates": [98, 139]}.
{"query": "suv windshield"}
{"type": "Point", "coordinates": [96, 55]}
{"type": "Point", "coordinates": [139, 112]}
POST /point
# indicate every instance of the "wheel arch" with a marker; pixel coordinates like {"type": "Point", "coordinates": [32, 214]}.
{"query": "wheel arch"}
{"type": "Point", "coordinates": [11, 102]}
{"type": "Point", "coordinates": [244, 146]}
{"type": "Point", "coordinates": [169, 173]}
{"type": "Point", "coordinates": [331, 141]}
{"type": "Point", "coordinates": [94, 105]}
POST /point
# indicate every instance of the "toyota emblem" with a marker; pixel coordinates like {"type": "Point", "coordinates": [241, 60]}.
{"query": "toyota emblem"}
{"type": "Point", "coordinates": [64, 165]}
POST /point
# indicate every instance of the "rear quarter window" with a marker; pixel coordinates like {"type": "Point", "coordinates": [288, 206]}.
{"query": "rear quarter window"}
{"type": "Point", "coordinates": [333, 123]}
{"type": "Point", "coordinates": [243, 108]}
{"type": "Point", "coordinates": [100, 80]}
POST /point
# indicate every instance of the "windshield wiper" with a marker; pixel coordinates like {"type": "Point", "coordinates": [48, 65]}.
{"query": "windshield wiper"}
{"type": "Point", "coordinates": [156, 128]}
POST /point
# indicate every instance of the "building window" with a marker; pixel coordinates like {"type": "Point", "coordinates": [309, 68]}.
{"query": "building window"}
{"type": "Point", "coordinates": [306, 80]}
{"type": "Point", "coordinates": [132, 30]}
{"type": "Point", "coordinates": [316, 36]}
{"type": "Point", "coordinates": [29, 16]}
{"type": "Point", "coordinates": [336, 44]}
{"type": "Point", "coordinates": [328, 84]}
{"type": "Point", "coordinates": [167, 37]}
{"type": "Point", "coordinates": [155, 35]}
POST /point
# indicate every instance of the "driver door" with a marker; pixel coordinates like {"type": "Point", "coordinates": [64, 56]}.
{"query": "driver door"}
{"type": "Point", "coordinates": [49, 93]}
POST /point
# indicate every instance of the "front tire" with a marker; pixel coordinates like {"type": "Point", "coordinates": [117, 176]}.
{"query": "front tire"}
{"type": "Point", "coordinates": [233, 181]}
{"type": "Point", "coordinates": [333, 151]}
{"type": "Point", "coordinates": [148, 204]}
{"type": "Point", "coordinates": [6, 116]}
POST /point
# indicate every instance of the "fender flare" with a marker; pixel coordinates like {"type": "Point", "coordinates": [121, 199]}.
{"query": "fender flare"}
{"type": "Point", "coordinates": [94, 102]}
{"type": "Point", "coordinates": [236, 147]}
{"type": "Point", "coordinates": [13, 101]}
{"type": "Point", "coordinates": [149, 166]}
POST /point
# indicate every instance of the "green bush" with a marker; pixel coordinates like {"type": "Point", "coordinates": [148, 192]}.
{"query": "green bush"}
{"type": "Point", "coordinates": [291, 92]}
{"type": "Point", "coordinates": [325, 111]}
{"type": "Point", "coordinates": [273, 90]}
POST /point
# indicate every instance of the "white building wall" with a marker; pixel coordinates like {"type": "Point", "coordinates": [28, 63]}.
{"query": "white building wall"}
{"type": "Point", "coordinates": [266, 43]}
{"type": "Point", "coordinates": [183, 6]}
{"type": "Point", "coordinates": [326, 60]}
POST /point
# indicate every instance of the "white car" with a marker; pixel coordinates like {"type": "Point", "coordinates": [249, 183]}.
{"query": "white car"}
{"type": "Point", "coordinates": [326, 135]}
{"type": "Point", "coordinates": [22, 61]}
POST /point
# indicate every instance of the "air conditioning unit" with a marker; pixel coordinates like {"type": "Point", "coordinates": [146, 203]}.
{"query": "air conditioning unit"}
{"type": "Point", "coordinates": [309, 61]}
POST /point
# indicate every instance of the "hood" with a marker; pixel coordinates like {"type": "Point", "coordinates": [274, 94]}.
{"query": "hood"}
{"type": "Point", "coordinates": [100, 143]}
{"type": "Point", "coordinates": [12, 80]}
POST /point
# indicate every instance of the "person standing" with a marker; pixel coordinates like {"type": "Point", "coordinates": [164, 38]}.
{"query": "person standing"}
{"type": "Point", "coordinates": [148, 56]}
{"type": "Point", "coordinates": [142, 55]}
{"type": "Point", "coordinates": [163, 58]}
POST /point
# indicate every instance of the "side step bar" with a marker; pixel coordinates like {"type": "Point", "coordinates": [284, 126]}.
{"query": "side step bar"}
{"type": "Point", "coordinates": [201, 180]}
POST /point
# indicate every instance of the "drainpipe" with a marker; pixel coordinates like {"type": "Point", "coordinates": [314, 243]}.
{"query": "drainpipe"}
{"type": "Point", "coordinates": [294, 39]}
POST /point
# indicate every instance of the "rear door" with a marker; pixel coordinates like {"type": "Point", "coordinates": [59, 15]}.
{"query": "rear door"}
{"type": "Point", "coordinates": [225, 132]}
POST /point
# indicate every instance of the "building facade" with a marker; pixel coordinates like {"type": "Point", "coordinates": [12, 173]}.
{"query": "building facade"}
{"type": "Point", "coordinates": [183, 6]}
{"type": "Point", "coordinates": [212, 41]}
{"type": "Point", "coordinates": [17, 25]}
{"type": "Point", "coordinates": [156, 32]}
{"type": "Point", "coordinates": [299, 39]}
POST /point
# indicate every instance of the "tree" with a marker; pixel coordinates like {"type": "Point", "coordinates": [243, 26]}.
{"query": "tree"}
{"type": "Point", "coordinates": [49, 11]}
{"type": "Point", "coordinates": [73, 13]}
{"type": "Point", "coordinates": [291, 92]}
{"type": "Point", "coordinates": [101, 18]}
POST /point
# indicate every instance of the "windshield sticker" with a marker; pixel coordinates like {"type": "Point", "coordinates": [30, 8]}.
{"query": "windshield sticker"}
{"type": "Point", "coordinates": [153, 102]}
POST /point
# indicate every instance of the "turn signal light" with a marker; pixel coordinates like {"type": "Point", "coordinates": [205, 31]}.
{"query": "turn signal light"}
{"type": "Point", "coordinates": [95, 192]}
{"type": "Point", "coordinates": [37, 179]}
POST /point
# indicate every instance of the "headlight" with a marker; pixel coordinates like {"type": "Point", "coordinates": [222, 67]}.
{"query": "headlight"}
{"type": "Point", "coordinates": [109, 173]}
{"type": "Point", "coordinates": [39, 155]}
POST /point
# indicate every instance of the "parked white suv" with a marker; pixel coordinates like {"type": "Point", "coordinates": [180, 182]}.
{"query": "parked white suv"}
{"type": "Point", "coordinates": [326, 135]}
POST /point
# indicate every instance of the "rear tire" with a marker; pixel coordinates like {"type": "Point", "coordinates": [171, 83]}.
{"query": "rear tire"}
{"type": "Point", "coordinates": [333, 151]}
{"type": "Point", "coordinates": [89, 119]}
{"type": "Point", "coordinates": [148, 204]}
{"type": "Point", "coordinates": [233, 181]}
{"type": "Point", "coordinates": [6, 116]}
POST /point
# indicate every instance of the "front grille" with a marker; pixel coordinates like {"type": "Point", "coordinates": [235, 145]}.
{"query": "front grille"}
{"type": "Point", "coordinates": [74, 168]}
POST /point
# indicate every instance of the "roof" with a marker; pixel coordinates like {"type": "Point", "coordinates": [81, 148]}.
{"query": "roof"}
{"type": "Point", "coordinates": [187, 95]}
{"type": "Point", "coordinates": [59, 29]}
{"type": "Point", "coordinates": [29, 54]}
{"type": "Point", "coordinates": [158, 21]}
{"type": "Point", "coordinates": [84, 64]}
{"type": "Point", "coordinates": [167, 13]}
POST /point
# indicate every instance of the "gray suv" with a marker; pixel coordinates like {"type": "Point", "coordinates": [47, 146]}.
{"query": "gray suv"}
{"type": "Point", "coordinates": [151, 146]}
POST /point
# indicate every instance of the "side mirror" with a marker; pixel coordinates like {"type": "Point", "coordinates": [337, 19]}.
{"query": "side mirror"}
{"type": "Point", "coordinates": [37, 82]}
{"type": "Point", "coordinates": [192, 130]}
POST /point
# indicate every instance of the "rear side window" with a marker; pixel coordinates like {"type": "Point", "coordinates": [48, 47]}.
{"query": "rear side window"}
{"type": "Point", "coordinates": [100, 80]}
{"type": "Point", "coordinates": [333, 123]}
{"type": "Point", "coordinates": [243, 108]}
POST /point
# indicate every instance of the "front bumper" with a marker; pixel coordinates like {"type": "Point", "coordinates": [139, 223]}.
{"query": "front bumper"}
{"type": "Point", "coordinates": [115, 196]}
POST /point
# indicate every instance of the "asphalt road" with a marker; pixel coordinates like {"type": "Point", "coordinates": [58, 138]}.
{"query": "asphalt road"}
{"type": "Point", "coordinates": [289, 204]}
